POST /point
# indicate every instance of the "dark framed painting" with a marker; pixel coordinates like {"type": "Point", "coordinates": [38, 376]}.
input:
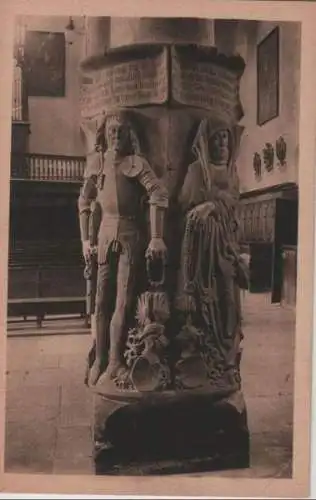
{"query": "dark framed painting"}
{"type": "Point", "coordinates": [268, 75]}
{"type": "Point", "coordinates": [44, 63]}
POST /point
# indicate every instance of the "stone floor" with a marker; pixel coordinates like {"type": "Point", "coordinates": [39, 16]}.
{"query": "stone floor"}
{"type": "Point", "coordinates": [48, 410]}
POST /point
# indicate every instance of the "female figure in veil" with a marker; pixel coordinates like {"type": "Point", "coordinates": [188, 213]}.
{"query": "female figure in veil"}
{"type": "Point", "coordinates": [211, 270]}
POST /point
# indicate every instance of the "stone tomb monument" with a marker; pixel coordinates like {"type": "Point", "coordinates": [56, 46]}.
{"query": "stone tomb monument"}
{"type": "Point", "coordinates": [163, 105]}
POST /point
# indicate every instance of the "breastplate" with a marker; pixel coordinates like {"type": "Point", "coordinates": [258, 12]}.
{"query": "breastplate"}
{"type": "Point", "coordinates": [118, 195]}
{"type": "Point", "coordinates": [119, 199]}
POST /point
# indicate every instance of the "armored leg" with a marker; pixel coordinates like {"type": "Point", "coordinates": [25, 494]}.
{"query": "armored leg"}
{"type": "Point", "coordinates": [93, 291]}
{"type": "Point", "coordinates": [91, 295]}
{"type": "Point", "coordinates": [102, 319]}
{"type": "Point", "coordinates": [124, 302]}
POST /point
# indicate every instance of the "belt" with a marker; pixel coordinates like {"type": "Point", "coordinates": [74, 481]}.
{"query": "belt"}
{"type": "Point", "coordinates": [119, 217]}
{"type": "Point", "coordinates": [117, 225]}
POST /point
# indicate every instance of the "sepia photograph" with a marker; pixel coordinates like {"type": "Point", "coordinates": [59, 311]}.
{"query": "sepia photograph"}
{"type": "Point", "coordinates": [153, 247]}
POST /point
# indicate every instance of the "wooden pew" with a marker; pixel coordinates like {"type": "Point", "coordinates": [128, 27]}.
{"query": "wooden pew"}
{"type": "Point", "coordinates": [43, 306]}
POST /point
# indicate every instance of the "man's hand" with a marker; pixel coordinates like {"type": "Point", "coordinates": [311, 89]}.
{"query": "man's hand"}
{"type": "Point", "coordinates": [156, 249]}
{"type": "Point", "coordinates": [86, 249]}
{"type": "Point", "coordinates": [94, 250]}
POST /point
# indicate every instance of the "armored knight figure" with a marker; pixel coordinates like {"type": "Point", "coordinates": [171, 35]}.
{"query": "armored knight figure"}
{"type": "Point", "coordinates": [90, 225]}
{"type": "Point", "coordinates": [211, 270]}
{"type": "Point", "coordinates": [123, 178]}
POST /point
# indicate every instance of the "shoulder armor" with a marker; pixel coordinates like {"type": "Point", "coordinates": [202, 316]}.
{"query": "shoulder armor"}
{"type": "Point", "coordinates": [89, 189]}
{"type": "Point", "coordinates": [133, 165]}
{"type": "Point", "coordinates": [93, 164]}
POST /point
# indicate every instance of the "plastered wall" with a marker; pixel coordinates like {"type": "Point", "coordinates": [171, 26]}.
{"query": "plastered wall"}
{"type": "Point", "coordinates": [286, 124]}
{"type": "Point", "coordinates": [55, 121]}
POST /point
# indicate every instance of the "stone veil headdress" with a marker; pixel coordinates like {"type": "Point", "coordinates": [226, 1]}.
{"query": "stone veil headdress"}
{"type": "Point", "coordinates": [200, 147]}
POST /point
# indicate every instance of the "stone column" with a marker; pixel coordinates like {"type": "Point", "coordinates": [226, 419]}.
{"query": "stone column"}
{"type": "Point", "coordinates": [130, 31]}
{"type": "Point", "coordinates": [177, 88]}
{"type": "Point", "coordinates": [98, 31]}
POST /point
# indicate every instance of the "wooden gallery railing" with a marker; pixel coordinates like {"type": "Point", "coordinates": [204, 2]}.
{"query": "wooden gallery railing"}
{"type": "Point", "coordinates": [47, 167]}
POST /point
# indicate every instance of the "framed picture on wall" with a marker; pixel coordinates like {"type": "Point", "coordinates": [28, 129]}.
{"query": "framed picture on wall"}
{"type": "Point", "coordinates": [45, 63]}
{"type": "Point", "coordinates": [268, 78]}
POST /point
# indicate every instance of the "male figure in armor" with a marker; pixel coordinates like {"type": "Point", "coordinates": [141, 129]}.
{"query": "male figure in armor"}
{"type": "Point", "coordinates": [122, 178]}
{"type": "Point", "coordinates": [90, 225]}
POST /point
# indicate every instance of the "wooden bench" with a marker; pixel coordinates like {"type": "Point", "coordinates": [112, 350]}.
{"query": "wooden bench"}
{"type": "Point", "coordinates": [40, 307]}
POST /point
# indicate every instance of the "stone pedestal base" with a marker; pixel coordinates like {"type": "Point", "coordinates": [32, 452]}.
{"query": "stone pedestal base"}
{"type": "Point", "coordinates": [169, 434]}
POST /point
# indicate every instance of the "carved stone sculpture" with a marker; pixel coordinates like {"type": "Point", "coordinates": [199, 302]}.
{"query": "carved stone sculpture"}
{"type": "Point", "coordinates": [166, 371]}
{"type": "Point", "coordinates": [89, 228]}
{"type": "Point", "coordinates": [211, 269]}
{"type": "Point", "coordinates": [121, 238]}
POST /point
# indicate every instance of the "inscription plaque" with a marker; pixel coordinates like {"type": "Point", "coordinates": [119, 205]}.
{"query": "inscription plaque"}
{"type": "Point", "coordinates": [204, 84]}
{"type": "Point", "coordinates": [132, 83]}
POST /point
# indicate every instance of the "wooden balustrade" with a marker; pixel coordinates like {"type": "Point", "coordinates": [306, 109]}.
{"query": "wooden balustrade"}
{"type": "Point", "coordinates": [47, 167]}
